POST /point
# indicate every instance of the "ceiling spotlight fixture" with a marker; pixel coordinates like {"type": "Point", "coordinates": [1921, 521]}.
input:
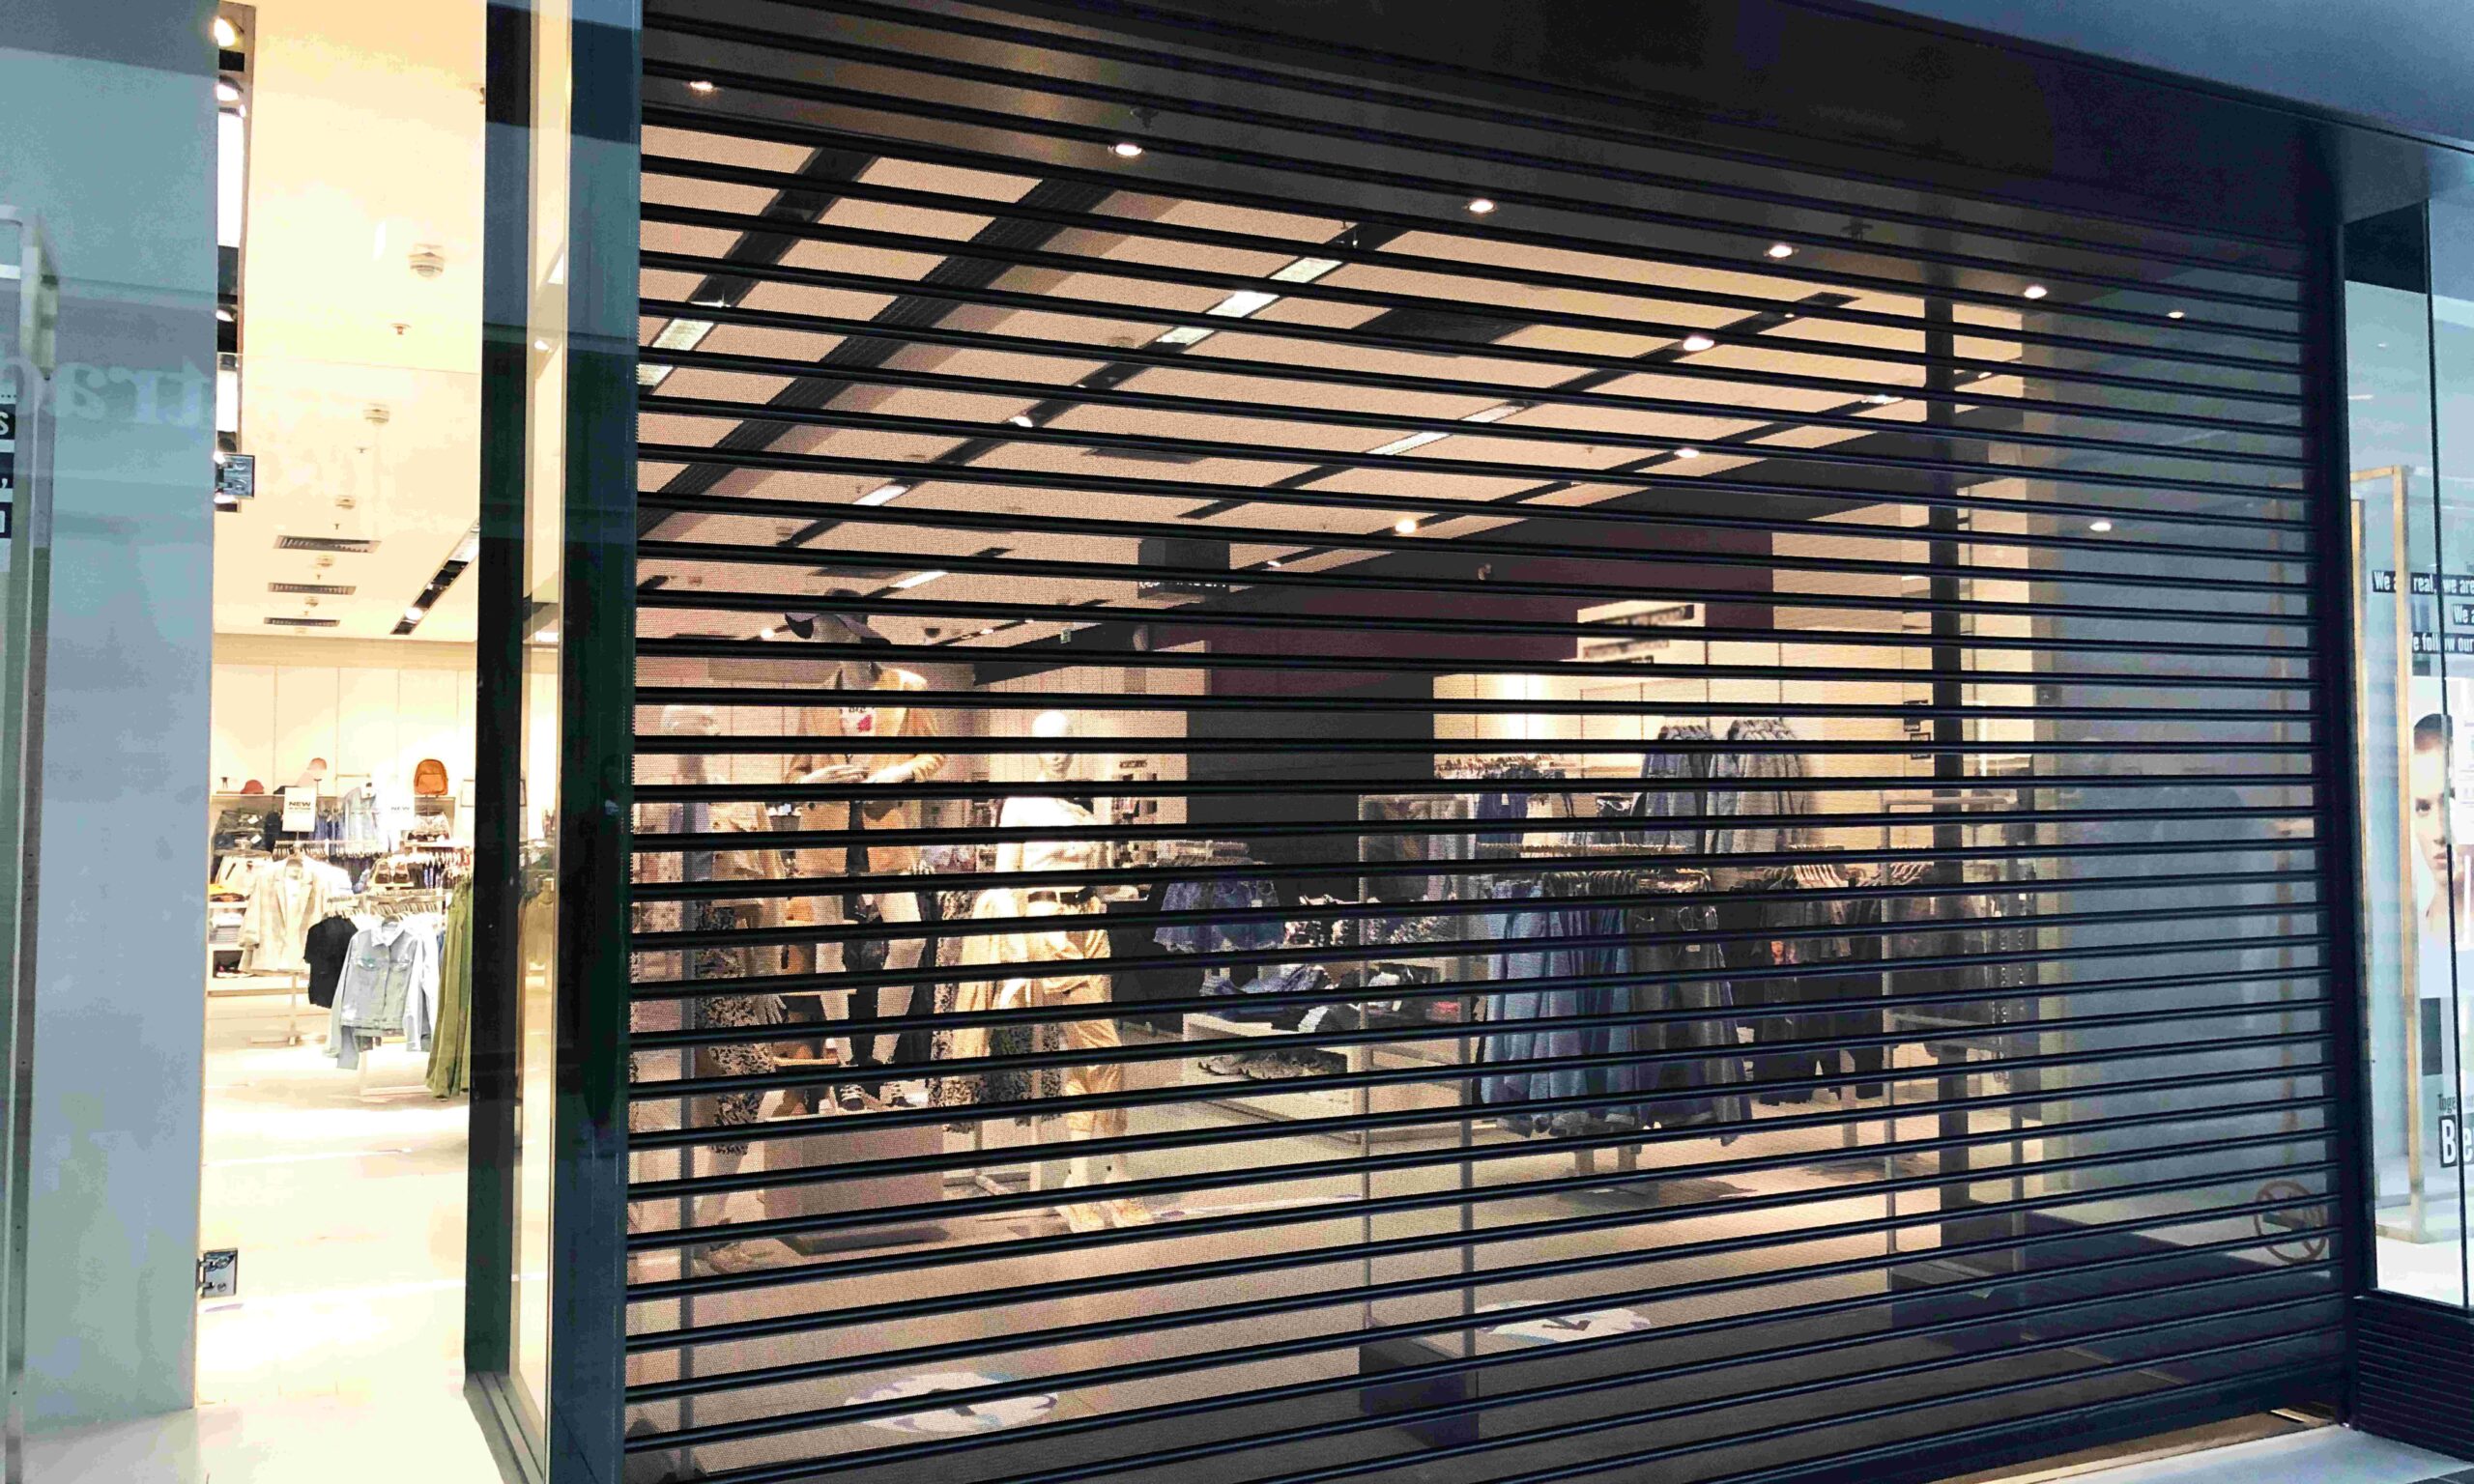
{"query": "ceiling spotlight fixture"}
{"type": "Point", "coordinates": [1126, 149]}
{"type": "Point", "coordinates": [2100, 527]}
{"type": "Point", "coordinates": [1480, 206]}
{"type": "Point", "coordinates": [1881, 399]}
{"type": "Point", "coordinates": [226, 315]}
{"type": "Point", "coordinates": [2173, 314]}
{"type": "Point", "coordinates": [226, 93]}
{"type": "Point", "coordinates": [540, 345]}
{"type": "Point", "coordinates": [1781, 250]}
{"type": "Point", "coordinates": [1688, 453]}
{"type": "Point", "coordinates": [226, 35]}
{"type": "Point", "coordinates": [1271, 562]}
{"type": "Point", "coordinates": [701, 85]}
{"type": "Point", "coordinates": [1022, 420]}
{"type": "Point", "coordinates": [2034, 291]}
{"type": "Point", "coordinates": [415, 614]}
{"type": "Point", "coordinates": [1699, 343]}
{"type": "Point", "coordinates": [1406, 526]}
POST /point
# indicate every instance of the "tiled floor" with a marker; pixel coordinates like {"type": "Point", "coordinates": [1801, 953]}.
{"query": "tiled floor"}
{"type": "Point", "coordinates": [341, 1358]}
{"type": "Point", "coordinates": [2327, 1455]}
{"type": "Point", "coordinates": [346, 1339]}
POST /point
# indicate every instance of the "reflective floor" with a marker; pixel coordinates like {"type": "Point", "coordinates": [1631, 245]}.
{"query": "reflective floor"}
{"type": "Point", "coordinates": [346, 1200]}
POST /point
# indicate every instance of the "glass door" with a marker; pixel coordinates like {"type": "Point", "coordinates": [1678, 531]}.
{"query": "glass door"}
{"type": "Point", "coordinates": [29, 298]}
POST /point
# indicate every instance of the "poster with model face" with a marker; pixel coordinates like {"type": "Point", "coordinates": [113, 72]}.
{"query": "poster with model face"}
{"type": "Point", "coordinates": [2438, 767]}
{"type": "Point", "coordinates": [2439, 782]}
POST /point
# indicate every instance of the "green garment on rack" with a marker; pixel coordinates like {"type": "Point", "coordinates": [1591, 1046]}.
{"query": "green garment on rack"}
{"type": "Point", "coordinates": [450, 1051]}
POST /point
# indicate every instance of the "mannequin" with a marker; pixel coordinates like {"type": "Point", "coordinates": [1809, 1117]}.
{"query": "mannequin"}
{"type": "Point", "coordinates": [888, 750]}
{"type": "Point", "coordinates": [754, 1058]}
{"type": "Point", "coordinates": [1071, 944]}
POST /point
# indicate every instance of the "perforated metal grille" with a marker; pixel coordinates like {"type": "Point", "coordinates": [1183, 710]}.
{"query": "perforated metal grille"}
{"type": "Point", "coordinates": [1663, 830]}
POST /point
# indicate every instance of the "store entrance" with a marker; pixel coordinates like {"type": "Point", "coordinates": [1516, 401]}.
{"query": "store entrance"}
{"type": "Point", "coordinates": [338, 813]}
{"type": "Point", "coordinates": [1334, 782]}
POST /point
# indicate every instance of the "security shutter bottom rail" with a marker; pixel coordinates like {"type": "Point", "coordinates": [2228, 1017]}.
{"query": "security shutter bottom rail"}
{"type": "Point", "coordinates": [1341, 783]}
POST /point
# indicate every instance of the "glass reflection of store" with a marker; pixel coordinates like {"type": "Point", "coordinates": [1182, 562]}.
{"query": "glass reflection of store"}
{"type": "Point", "coordinates": [2410, 311]}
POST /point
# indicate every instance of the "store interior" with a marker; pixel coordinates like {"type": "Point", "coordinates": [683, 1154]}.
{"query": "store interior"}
{"type": "Point", "coordinates": [339, 817]}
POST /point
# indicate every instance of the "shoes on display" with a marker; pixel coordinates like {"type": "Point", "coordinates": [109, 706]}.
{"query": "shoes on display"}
{"type": "Point", "coordinates": [729, 1257]}
{"type": "Point", "coordinates": [1084, 1218]}
{"type": "Point", "coordinates": [910, 1094]}
{"type": "Point", "coordinates": [850, 1099]}
{"type": "Point", "coordinates": [1229, 1065]}
{"type": "Point", "coordinates": [1124, 1212]}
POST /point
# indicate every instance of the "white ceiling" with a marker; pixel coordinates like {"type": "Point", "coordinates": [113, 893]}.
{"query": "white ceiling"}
{"type": "Point", "coordinates": [365, 142]}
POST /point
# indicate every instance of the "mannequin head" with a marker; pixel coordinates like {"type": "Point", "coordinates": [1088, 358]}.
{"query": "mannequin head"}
{"type": "Point", "coordinates": [856, 673]}
{"type": "Point", "coordinates": [1048, 726]}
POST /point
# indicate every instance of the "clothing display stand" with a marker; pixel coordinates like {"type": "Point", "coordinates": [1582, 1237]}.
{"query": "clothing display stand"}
{"type": "Point", "coordinates": [294, 996]}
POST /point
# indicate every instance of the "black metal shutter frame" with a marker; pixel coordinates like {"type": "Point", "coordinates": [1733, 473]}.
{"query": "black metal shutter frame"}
{"type": "Point", "coordinates": [1933, 1054]}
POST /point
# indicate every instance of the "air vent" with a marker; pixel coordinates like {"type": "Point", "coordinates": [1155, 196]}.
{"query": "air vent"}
{"type": "Point", "coordinates": [303, 623]}
{"type": "Point", "coordinates": [1440, 324]}
{"type": "Point", "coordinates": [1144, 455]}
{"type": "Point", "coordinates": [318, 590]}
{"type": "Point", "coordinates": [322, 544]}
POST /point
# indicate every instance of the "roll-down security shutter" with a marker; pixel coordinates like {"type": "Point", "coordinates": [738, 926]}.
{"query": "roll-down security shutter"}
{"type": "Point", "coordinates": [1339, 784]}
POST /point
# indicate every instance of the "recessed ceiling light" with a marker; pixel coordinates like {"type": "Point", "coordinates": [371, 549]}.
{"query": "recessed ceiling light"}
{"type": "Point", "coordinates": [1781, 250]}
{"type": "Point", "coordinates": [2034, 291]}
{"type": "Point", "coordinates": [1243, 303]}
{"type": "Point", "coordinates": [226, 93]}
{"type": "Point", "coordinates": [2100, 525]}
{"type": "Point", "coordinates": [415, 615]}
{"type": "Point", "coordinates": [226, 316]}
{"type": "Point", "coordinates": [1306, 269]}
{"type": "Point", "coordinates": [2173, 314]}
{"type": "Point", "coordinates": [1271, 562]}
{"type": "Point", "coordinates": [1412, 441]}
{"type": "Point", "coordinates": [1481, 205]}
{"type": "Point", "coordinates": [1699, 343]}
{"type": "Point", "coordinates": [226, 35]}
{"type": "Point", "coordinates": [540, 345]}
{"type": "Point", "coordinates": [1881, 399]}
{"type": "Point", "coordinates": [1688, 453]}
{"type": "Point", "coordinates": [885, 495]}
{"type": "Point", "coordinates": [1406, 525]}
{"type": "Point", "coordinates": [1184, 334]}
{"type": "Point", "coordinates": [1126, 149]}
{"type": "Point", "coordinates": [700, 85]}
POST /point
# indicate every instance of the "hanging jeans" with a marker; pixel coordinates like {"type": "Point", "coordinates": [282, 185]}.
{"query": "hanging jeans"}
{"type": "Point", "coordinates": [1710, 1030]}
